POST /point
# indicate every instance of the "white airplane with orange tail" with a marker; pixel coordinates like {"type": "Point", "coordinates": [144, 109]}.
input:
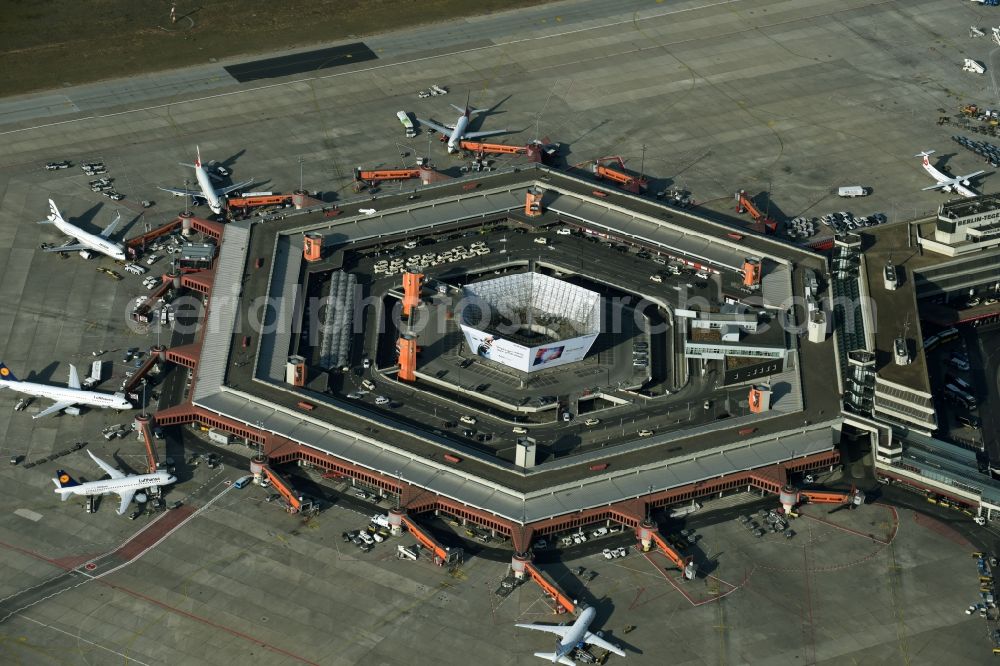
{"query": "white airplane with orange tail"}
{"type": "Point", "coordinates": [206, 191]}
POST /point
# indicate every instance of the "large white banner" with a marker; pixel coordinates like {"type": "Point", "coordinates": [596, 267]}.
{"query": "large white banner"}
{"type": "Point", "coordinates": [527, 359]}
{"type": "Point", "coordinates": [497, 349]}
{"type": "Point", "coordinates": [561, 353]}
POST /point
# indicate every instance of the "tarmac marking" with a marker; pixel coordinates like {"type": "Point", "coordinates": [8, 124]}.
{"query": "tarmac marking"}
{"type": "Point", "coordinates": [28, 514]}
{"type": "Point", "coordinates": [884, 542]}
{"type": "Point", "coordinates": [38, 601]}
{"type": "Point", "coordinates": [808, 628]}
{"type": "Point", "coordinates": [901, 630]}
{"type": "Point", "coordinates": [941, 528]}
{"type": "Point", "coordinates": [694, 602]}
{"type": "Point", "coordinates": [211, 623]}
{"type": "Point", "coordinates": [146, 598]}
{"type": "Point", "coordinates": [29, 589]}
{"type": "Point", "coordinates": [127, 658]}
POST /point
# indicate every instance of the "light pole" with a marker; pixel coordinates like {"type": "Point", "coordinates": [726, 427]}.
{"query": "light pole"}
{"type": "Point", "coordinates": [399, 495]}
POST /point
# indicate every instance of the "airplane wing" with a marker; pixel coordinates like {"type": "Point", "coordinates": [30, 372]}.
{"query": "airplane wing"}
{"type": "Point", "coordinates": [181, 192]}
{"type": "Point", "coordinates": [938, 186]}
{"type": "Point", "coordinates": [67, 248]}
{"type": "Point", "coordinates": [110, 229]}
{"type": "Point", "coordinates": [115, 474]}
{"type": "Point", "coordinates": [126, 496]}
{"type": "Point", "coordinates": [557, 629]}
{"type": "Point", "coordinates": [594, 639]}
{"type": "Point", "coordinates": [57, 407]}
{"type": "Point", "coordinates": [969, 175]}
{"type": "Point", "coordinates": [74, 378]}
{"type": "Point", "coordinates": [227, 190]}
{"type": "Point", "coordinates": [476, 135]}
{"type": "Point", "coordinates": [555, 658]}
{"type": "Point", "coordinates": [444, 129]}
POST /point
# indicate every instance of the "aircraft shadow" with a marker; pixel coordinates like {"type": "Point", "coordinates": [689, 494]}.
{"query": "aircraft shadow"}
{"type": "Point", "coordinates": [86, 218]}
{"type": "Point", "coordinates": [46, 374]}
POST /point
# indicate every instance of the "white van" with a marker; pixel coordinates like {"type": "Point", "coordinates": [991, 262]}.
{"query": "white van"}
{"type": "Point", "coordinates": [851, 191]}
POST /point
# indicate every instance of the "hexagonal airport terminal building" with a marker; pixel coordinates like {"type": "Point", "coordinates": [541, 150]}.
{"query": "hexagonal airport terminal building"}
{"type": "Point", "coordinates": [530, 321]}
{"type": "Point", "coordinates": [526, 350]}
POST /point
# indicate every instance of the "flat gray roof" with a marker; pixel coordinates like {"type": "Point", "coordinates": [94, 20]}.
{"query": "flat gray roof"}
{"type": "Point", "coordinates": [552, 488]}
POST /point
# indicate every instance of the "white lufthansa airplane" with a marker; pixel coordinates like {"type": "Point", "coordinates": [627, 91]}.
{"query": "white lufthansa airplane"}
{"type": "Point", "coordinates": [206, 191]}
{"type": "Point", "coordinates": [958, 185]}
{"type": "Point", "coordinates": [572, 636]}
{"type": "Point", "coordinates": [86, 242]}
{"type": "Point", "coordinates": [123, 485]}
{"type": "Point", "coordinates": [63, 396]}
{"type": "Point", "coordinates": [457, 132]}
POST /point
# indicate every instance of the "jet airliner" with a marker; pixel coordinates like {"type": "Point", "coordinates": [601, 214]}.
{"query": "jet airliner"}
{"type": "Point", "coordinates": [86, 242]}
{"type": "Point", "coordinates": [123, 485]}
{"type": "Point", "coordinates": [958, 185]}
{"type": "Point", "coordinates": [457, 132]}
{"type": "Point", "coordinates": [572, 636]}
{"type": "Point", "coordinates": [206, 191]}
{"type": "Point", "coordinates": [63, 396]}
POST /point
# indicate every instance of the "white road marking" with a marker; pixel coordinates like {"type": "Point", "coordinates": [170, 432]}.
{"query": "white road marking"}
{"type": "Point", "coordinates": [128, 658]}
{"type": "Point", "coordinates": [33, 516]}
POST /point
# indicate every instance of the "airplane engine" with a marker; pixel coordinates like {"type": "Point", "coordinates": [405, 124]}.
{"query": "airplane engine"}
{"type": "Point", "coordinates": [947, 188]}
{"type": "Point", "coordinates": [141, 498]}
{"type": "Point", "coordinates": [966, 183]}
{"type": "Point", "coordinates": [86, 254]}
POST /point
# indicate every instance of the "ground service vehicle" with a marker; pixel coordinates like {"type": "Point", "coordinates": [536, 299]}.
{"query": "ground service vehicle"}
{"type": "Point", "coordinates": [852, 191]}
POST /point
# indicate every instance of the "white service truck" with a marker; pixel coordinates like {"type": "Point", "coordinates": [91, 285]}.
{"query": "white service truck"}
{"type": "Point", "coordinates": [973, 66]}
{"type": "Point", "coordinates": [852, 191]}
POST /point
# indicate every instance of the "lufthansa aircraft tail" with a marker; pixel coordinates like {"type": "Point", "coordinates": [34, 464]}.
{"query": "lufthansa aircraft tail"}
{"type": "Point", "coordinates": [64, 480]}
{"type": "Point", "coordinates": [6, 375]}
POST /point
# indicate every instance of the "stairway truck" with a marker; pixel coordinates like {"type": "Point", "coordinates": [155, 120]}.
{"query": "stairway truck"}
{"type": "Point", "coordinates": [850, 191]}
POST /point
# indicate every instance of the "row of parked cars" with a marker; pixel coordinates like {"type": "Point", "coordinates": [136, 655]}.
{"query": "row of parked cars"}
{"type": "Point", "coordinates": [985, 150]}
{"type": "Point", "coordinates": [844, 221]}
{"type": "Point", "coordinates": [399, 265]}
